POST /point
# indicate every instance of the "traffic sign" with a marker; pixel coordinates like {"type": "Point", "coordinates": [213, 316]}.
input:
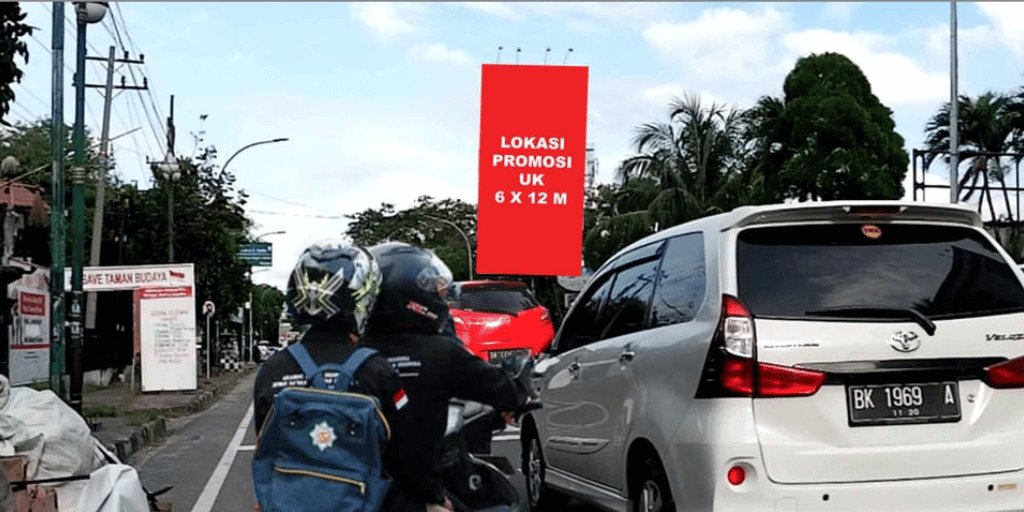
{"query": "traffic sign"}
{"type": "Point", "coordinates": [260, 254]}
{"type": "Point", "coordinates": [209, 308]}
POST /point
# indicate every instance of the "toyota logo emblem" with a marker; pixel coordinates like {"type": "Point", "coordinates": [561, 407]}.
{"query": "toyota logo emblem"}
{"type": "Point", "coordinates": [905, 341]}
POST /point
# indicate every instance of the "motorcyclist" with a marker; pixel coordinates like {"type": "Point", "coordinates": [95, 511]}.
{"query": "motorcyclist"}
{"type": "Point", "coordinates": [411, 326]}
{"type": "Point", "coordinates": [333, 289]}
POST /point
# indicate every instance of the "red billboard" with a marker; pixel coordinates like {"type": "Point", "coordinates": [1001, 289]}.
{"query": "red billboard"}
{"type": "Point", "coordinates": [533, 137]}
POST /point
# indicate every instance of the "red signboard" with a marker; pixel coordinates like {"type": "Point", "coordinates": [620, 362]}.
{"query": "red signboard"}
{"type": "Point", "coordinates": [533, 137]}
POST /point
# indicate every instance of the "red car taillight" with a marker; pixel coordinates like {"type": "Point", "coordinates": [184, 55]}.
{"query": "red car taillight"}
{"type": "Point", "coordinates": [732, 369]}
{"type": "Point", "coordinates": [1006, 375]}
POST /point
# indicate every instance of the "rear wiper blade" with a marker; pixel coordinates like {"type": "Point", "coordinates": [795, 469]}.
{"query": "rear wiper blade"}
{"type": "Point", "coordinates": [892, 312]}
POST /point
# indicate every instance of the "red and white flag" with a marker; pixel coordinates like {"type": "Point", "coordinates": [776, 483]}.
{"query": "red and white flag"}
{"type": "Point", "coordinates": [400, 399]}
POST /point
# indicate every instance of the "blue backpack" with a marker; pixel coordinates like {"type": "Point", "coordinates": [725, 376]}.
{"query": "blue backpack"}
{"type": "Point", "coordinates": [322, 448]}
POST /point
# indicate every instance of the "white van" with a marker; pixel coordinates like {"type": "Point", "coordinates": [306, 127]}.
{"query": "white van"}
{"type": "Point", "coordinates": [838, 356]}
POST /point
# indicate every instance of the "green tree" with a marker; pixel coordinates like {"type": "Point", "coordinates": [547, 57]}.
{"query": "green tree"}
{"type": "Point", "coordinates": [691, 166]}
{"type": "Point", "coordinates": [29, 143]}
{"type": "Point", "coordinates": [268, 303]}
{"type": "Point", "coordinates": [417, 225]}
{"type": "Point", "coordinates": [986, 124]}
{"type": "Point", "coordinates": [828, 138]}
{"type": "Point", "coordinates": [209, 227]}
{"type": "Point", "coordinates": [12, 31]}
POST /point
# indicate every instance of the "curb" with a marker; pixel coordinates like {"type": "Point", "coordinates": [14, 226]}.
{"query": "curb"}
{"type": "Point", "coordinates": [148, 433]}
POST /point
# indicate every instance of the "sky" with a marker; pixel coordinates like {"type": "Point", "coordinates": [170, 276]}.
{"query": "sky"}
{"type": "Point", "coordinates": [380, 101]}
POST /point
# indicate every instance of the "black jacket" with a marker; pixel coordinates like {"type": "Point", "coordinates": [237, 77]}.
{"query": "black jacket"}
{"type": "Point", "coordinates": [434, 369]}
{"type": "Point", "coordinates": [405, 460]}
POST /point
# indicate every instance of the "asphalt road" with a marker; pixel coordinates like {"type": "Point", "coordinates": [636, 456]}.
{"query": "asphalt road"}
{"type": "Point", "coordinates": [208, 459]}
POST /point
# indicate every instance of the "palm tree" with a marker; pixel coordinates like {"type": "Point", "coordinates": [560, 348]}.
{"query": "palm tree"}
{"type": "Point", "coordinates": [691, 166]}
{"type": "Point", "coordinates": [693, 159]}
{"type": "Point", "coordinates": [765, 130]}
{"type": "Point", "coordinates": [986, 126]}
{"type": "Point", "coordinates": [1016, 119]}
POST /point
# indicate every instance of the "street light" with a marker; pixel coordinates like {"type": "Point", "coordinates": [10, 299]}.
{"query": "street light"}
{"type": "Point", "coordinates": [469, 247]}
{"type": "Point", "coordinates": [88, 12]}
{"type": "Point", "coordinates": [247, 146]}
{"type": "Point", "coordinates": [171, 170]}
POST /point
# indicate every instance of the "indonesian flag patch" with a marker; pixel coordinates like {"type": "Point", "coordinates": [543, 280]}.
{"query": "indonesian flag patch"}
{"type": "Point", "coordinates": [400, 399]}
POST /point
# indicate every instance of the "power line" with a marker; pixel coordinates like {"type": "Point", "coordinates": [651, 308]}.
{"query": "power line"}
{"type": "Point", "coordinates": [131, 42]}
{"type": "Point", "coordinates": [28, 116]}
{"type": "Point", "coordinates": [157, 127]}
{"type": "Point", "coordinates": [287, 214]}
{"type": "Point", "coordinates": [32, 94]}
{"type": "Point", "coordinates": [286, 201]}
{"type": "Point", "coordinates": [71, 26]}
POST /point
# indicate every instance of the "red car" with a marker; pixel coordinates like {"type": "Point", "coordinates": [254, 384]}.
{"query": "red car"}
{"type": "Point", "coordinates": [498, 319]}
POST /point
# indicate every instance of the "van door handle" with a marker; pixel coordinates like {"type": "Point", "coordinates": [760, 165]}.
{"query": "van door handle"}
{"type": "Point", "coordinates": [574, 368]}
{"type": "Point", "coordinates": [626, 356]}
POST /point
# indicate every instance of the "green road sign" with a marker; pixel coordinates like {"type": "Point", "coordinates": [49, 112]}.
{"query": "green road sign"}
{"type": "Point", "coordinates": [257, 255]}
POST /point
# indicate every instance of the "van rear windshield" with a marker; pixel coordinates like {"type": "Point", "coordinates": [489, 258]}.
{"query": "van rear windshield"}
{"type": "Point", "coordinates": [942, 271]}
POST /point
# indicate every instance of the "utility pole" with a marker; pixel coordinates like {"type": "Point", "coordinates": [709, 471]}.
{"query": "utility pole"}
{"type": "Point", "coordinates": [252, 311]}
{"type": "Point", "coordinates": [954, 111]}
{"type": "Point", "coordinates": [170, 197]}
{"type": "Point", "coordinates": [57, 221]}
{"type": "Point", "coordinates": [97, 221]}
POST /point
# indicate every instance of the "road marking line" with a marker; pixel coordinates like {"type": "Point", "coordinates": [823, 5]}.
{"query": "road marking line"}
{"type": "Point", "coordinates": [212, 490]}
{"type": "Point", "coordinates": [506, 438]}
{"type": "Point", "coordinates": [247, 448]}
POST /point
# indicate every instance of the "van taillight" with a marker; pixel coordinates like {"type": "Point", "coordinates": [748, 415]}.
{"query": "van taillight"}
{"type": "Point", "coordinates": [1006, 375]}
{"type": "Point", "coordinates": [731, 368]}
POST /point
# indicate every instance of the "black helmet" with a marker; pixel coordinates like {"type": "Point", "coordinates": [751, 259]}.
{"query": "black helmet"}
{"type": "Point", "coordinates": [334, 283]}
{"type": "Point", "coordinates": [413, 294]}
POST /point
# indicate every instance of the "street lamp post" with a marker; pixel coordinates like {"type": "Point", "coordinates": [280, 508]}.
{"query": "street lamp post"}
{"type": "Point", "coordinates": [247, 146]}
{"type": "Point", "coordinates": [469, 247]}
{"type": "Point", "coordinates": [88, 12]}
{"type": "Point", "coordinates": [171, 170]}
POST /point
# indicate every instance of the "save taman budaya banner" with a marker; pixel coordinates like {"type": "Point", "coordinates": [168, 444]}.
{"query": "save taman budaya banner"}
{"type": "Point", "coordinates": [533, 137]}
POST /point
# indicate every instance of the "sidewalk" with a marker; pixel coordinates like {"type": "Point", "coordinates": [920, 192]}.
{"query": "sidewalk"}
{"type": "Point", "coordinates": [127, 422]}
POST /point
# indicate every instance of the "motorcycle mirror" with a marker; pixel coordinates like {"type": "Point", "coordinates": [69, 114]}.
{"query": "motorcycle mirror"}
{"type": "Point", "coordinates": [513, 365]}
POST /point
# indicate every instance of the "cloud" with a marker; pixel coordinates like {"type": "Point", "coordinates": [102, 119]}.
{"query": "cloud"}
{"type": "Point", "coordinates": [583, 27]}
{"type": "Point", "coordinates": [384, 19]}
{"type": "Point", "coordinates": [841, 12]}
{"type": "Point", "coordinates": [662, 95]}
{"type": "Point", "coordinates": [739, 51]}
{"type": "Point", "coordinates": [499, 9]}
{"type": "Point", "coordinates": [580, 15]}
{"type": "Point", "coordinates": [1007, 19]}
{"type": "Point", "coordinates": [439, 52]}
{"type": "Point", "coordinates": [936, 39]}
{"type": "Point", "coordinates": [723, 43]}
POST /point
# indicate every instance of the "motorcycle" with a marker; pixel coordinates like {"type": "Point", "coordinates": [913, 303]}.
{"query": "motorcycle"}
{"type": "Point", "coordinates": [476, 481]}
